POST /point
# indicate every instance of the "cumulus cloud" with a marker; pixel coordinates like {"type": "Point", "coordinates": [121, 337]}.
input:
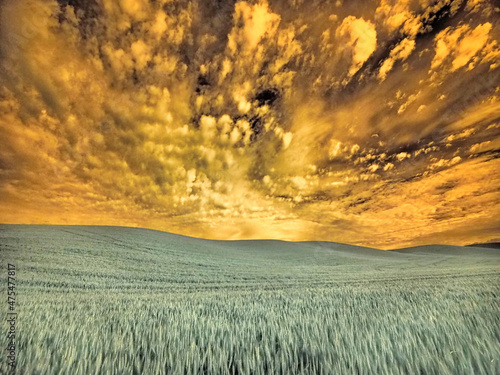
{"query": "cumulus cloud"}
{"type": "Point", "coordinates": [436, 164]}
{"type": "Point", "coordinates": [401, 52]}
{"type": "Point", "coordinates": [394, 14]}
{"type": "Point", "coordinates": [258, 22]}
{"type": "Point", "coordinates": [360, 39]}
{"type": "Point", "coordinates": [460, 45]}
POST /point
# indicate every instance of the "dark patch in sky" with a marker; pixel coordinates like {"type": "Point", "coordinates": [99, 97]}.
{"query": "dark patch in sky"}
{"type": "Point", "coordinates": [267, 97]}
{"type": "Point", "coordinates": [202, 84]}
{"type": "Point", "coordinates": [439, 20]}
{"type": "Point", "coordinates": [87, 12]}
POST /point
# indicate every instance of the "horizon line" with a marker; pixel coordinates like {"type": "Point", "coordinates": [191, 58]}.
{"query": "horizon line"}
{"type": "Point", "coordinates": [479, 244]}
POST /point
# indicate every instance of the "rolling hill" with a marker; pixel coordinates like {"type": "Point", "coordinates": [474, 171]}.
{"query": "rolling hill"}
{"type": "Point", "coordinates": [122, 300]}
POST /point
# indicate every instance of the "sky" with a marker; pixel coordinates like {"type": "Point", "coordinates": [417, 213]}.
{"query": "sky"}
{"type": "Point", "coordinates": [374, 123]}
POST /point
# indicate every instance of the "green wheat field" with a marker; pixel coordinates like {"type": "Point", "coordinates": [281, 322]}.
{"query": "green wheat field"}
{"type": "Point", "coordinates": [109, 300]}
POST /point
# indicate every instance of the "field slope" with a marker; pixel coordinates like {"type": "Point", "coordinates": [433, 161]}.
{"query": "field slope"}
{"type": "Point", "coordinates": [112, 300]}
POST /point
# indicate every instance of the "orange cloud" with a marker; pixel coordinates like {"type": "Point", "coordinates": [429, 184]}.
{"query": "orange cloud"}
{"type": "Point", "coordinates": [360, 37]}
{"type": "Point", "coordinates": [461, 44]}
{"type": "Point", "coordinates": [252, 120]}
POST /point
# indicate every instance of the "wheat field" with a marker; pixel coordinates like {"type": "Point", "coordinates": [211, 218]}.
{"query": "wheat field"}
{"type": "Point", "coordinates": [108, 300]}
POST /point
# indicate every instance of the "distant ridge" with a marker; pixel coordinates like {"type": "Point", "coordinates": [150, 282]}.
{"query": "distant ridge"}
{"type": "Point", "coordinates": [447, 250]}
{"type": "Point", "coordinates": [263, 244]}
{"type": "Point", "coordinates": [490, 245]}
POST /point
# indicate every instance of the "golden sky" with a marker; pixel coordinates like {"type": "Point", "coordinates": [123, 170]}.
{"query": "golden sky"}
{"type": "Point", "coordinates": [366, 122]}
